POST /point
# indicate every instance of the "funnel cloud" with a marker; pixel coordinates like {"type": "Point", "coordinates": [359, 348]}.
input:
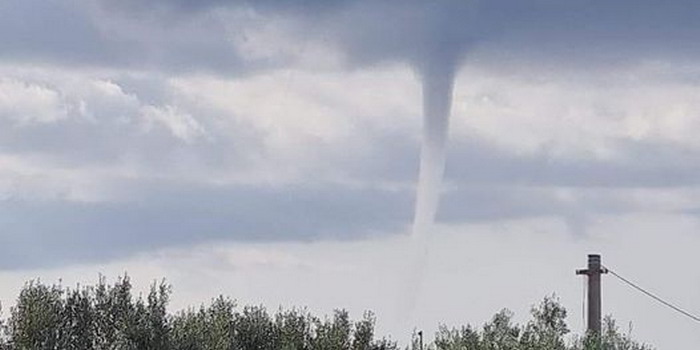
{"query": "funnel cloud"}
{"type": "Point", "coordinates": [438, 83]}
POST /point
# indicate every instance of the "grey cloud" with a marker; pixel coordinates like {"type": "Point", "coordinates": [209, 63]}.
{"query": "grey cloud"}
{"type": "Point", "coordinates": [75, 33]}
{"type": "Point", "coordinates": [550, 31]}
{"type": "Point", "coordinates": [170, 214]}
{"type": "Point", "coordinates": [297, 6]}
{"type": "Point", "coordinates": [471, 204]}
{"type": "Point", "coordinates": [581, 33]}
{"type": "Point", "coordinates": [56, 233]}
{"type": "Point", "coordinates": [639, 164]}
{"type": "Point", "coordinates": [186, 35]}
{"type": "Point", "coordinates": [474, 161]}
{"type": "Point", "coordinates": [38, 30]}
{"type": "Point", "coordinates": [487, 186]}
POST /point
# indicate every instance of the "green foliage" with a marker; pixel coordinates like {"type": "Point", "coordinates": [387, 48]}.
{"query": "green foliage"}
{"type": "Point", "coordinates": [547, 328]}
{"type": "Point", "coordinates": [158, 327]}
{"type": "Point", "coordinates": [364, 332]}
{"type": "Point", "coordinates": [112, 308]}
{"type": "Point", "coordinates": [35, 320]}
{"type": "Point", "coordinates": [465, 338]}
{"type": "Point", "coordinates": [610, 339]}
{"type": "Point", "coordinates": [254, 329]}
{"type": "Point", "coordinates": [384, 344]}
{"type": "Point", "coordinates": [3, 340]}
{"type": "Point", "coordinates": [332, 334]}
{"type": "Point", "coordinates": [108, 317]}
{"type": "Point", "coordinates": [294, 329]}
{"type": "Point", "coordinates": [208, 328]}
{"type": "Point", "coordinates": [77, 318]}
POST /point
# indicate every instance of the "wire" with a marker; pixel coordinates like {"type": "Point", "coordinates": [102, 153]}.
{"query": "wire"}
{"type": "Point", "coordinates": [658, 299]}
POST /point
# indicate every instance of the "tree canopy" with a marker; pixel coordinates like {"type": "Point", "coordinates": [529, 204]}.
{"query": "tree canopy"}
{"type": "Point", "coordinates": [109, 317]}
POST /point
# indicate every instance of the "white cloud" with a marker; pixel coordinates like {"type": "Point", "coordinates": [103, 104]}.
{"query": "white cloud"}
{"type": "Point", "coordinates": [101, 100]}
{"type": "Point", "coordinates": [304, 119]}
{"type": "Point", "coordinates": [181, 125]}
{"type": "Point", "coordinates": [299, 126]}
{"type": "Point", "coordinates": [23, 103]}
{"type": "Point", "coordinates": [576, 115]}
{"type": "Point", "coordinates": [275, 39]}
{"type": "Point", "coordinates": [300, 104]}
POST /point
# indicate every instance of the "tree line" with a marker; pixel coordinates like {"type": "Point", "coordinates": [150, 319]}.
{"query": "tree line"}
{"type": "Point", "coordinates": [109, 317]}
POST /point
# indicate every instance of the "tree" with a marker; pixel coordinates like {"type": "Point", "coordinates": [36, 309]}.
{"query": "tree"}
{"type": "Point", "coordinates": [220, 322]}
{"type": "Point", "coordinates": [77, 319]}
{"type": "Point", "coordinates": [547, 328]}
{"type": "Point", "coordinates": [254, 329]}
{"type": "Point", "coordinates": [610, 339]}
{"type": "Point", "coordinates": [294, 329]}
{"type": "Point", "coordinates": [500, 333]}
{"type": "Point", "coordinates": [113, 315]}
{"type": "Point", "coordinates": [333, 334]}
{"type": "Point", "coordinates": [158, 333]}
{"type": "Point", "coordinates": [384, 344]}
{"type": "Point", "coordinates": [36, 318]}
{"type": "Point", "coordinates": [465, 338]}
{"type": "Point", "coordinates": [188, 330]}
{"type": "Point", "coordinates": [364, 332]}
{"type": "Point", "coordinates": [3, 340]}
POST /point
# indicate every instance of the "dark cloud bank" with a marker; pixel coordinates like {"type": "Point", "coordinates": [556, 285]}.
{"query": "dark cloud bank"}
{"type": "Point", "coordinates": [185, 35]}
{"type": "Point", "coordinates": [490, 185]}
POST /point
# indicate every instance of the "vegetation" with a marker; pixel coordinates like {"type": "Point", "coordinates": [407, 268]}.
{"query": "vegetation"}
{"type": "Point", "coordinates": [109, 317]}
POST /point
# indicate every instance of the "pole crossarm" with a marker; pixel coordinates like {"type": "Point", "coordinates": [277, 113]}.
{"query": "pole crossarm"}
{"type": "Point", "coordinates": [587, 272]}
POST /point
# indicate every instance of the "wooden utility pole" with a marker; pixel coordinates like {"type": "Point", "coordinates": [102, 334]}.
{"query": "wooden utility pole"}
{"type": "Point", "coordinates": [595, 269]}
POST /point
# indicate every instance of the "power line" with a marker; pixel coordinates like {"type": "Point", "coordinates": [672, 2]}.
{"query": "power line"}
{"type": "Point", "coordinates": [658, 299]}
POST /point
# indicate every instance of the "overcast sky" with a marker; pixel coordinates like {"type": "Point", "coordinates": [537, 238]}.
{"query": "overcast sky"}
{"type": "Point", "coordinates": [268, 150]}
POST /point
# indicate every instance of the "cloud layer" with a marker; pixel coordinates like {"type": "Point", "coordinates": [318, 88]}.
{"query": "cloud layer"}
{"type": "Point", "coordinates": [133, 126]}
